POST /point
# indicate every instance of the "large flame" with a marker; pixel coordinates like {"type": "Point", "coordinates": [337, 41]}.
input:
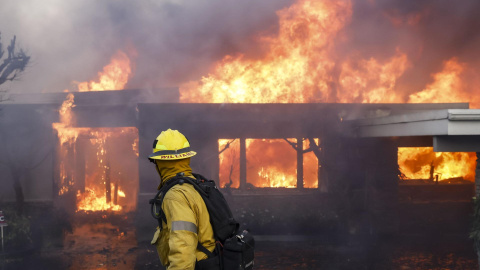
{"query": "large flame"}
{"type": "Point", "coordinates": [297, 67]}
{"type": "Point", "coordinates": [423, 163]}
{"type": "Point", "coordinates": [114, 76]}
{"type": "Point", "coordinates": [270, 163]}
{"type": "Point", "coordinates": [447, 86]}
{"type": "Point", "coordinates": [369, 81]}
{"type": "Point", "coordinates": [102, 183]}
{"type": "Point", "coordinates": [301, 65]}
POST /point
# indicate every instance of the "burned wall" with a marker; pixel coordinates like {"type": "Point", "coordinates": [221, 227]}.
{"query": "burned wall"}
{"type": "Point", "coordinates": [27, 145]}
{"type": "Point", "coordinates": [351, 169]}
{"type": "Point", "coordinates": [358, 187]}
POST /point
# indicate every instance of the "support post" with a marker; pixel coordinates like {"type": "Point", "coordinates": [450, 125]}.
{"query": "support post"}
{"type": "Point", "coordinates": [115, 194]}
{"type": "Point", "coordinates": [243, 164]}
{"type": "Point", "coordinates": [80, 164]}
{"type": "Point", "coordinates": [108, 188]}
{"type": "Point", "coordinates": [300, 162]}
{"type": "Point", "coordinates": [322, 176]}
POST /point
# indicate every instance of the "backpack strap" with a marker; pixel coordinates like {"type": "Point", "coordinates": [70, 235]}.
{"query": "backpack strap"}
{"type": "Point", "coordinates": [158, 200]}
{"type": "Point", "coordinates": [205, 250]}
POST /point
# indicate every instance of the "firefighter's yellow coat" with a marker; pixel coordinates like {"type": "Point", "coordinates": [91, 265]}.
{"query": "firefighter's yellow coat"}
{"type": "Point", "coordinates": [188, 223]}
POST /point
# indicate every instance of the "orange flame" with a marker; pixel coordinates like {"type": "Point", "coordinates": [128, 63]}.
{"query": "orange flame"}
{"type": "Point", "coordinates": [296, 68]}
{"type": "Point", "coordinates": [91, 201]}
{"type": "Point", "coordinates": [270, 163]}
{"type": "Point", "coordinates": [301, 66]}
{"type": "Point", "coordinates": [114, 76]}
{"type": "Point", "coordinates": [423, 163]}
{"type": "Point", "coordinates": [447, 86]}
{"type": "Point", "coordinates": [368, 81]}
{"type": "Point", "coordinates": [272, 177]}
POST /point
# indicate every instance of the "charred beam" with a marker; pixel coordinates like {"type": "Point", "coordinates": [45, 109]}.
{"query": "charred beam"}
{"type": "Point", "coordinates": [243, 164]}
{"type": "Point", "coordinates": [108, 189]}
{"type": "Point", "coordinates": [299, 162]}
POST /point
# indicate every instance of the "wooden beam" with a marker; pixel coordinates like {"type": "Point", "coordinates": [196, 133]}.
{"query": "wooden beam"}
{"type": "Point", "coordinates": [299, 149]}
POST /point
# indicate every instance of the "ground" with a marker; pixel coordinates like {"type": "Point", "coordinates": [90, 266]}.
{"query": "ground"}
{"type": "Point", "coordinates": [106, 245]}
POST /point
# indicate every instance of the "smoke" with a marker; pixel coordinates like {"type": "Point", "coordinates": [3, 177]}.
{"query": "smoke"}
{"type": "Point", "coordinates": [429, 32]}
{"type": "Point", "coordinates": [177, 41]}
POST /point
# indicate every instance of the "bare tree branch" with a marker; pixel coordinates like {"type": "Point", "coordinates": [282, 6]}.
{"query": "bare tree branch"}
{"type": "Point", "coordinates": [14, 64]}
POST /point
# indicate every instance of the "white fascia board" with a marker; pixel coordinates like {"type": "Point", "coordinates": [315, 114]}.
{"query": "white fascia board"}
{"type": "Point", "coordinates": [405, 118]}
{"type": "Point", "coordinates": [419, 128]}
{"type": "Point", "coordinates": [428, 123]}
{"type": "Point", "coordinates": [464, 127]}
{"type": "Point", "coordinates": [463, 115]}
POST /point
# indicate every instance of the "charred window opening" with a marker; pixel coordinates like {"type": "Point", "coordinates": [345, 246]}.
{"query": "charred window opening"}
{"type": "Point", "coordinates": [422, 163]}
{"type": "Point", "coordinates": [269, 163]}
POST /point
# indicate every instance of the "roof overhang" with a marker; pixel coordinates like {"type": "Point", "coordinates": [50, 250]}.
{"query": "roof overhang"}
{"type": "Point", "coordinates": [453, 130]}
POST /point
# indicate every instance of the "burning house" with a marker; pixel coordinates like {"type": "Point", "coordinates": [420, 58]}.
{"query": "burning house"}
{"type": "Point", "coordinates": [346, 166]}
{"type": "Point", "coordinates": [326, 127]}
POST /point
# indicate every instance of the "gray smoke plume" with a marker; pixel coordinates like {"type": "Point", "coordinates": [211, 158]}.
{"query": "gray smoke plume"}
{"type": "Point", "coordinates": [179, 40]}
{"type": "Point", "coordinates": [176, 40]}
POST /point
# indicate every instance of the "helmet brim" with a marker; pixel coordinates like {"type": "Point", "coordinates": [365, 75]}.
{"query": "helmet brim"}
{"type": "Point", "coordinates": [163, 156]}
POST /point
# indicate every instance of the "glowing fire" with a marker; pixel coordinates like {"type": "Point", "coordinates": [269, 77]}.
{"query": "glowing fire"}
{"type": "Point", "coordinates": [368, 81]}
{"type": "Point", "coordinates": [423, 163]}
{"type": "Point", "coordinates": [296, 68]}
{"type": "Point", "coordinates": [270, 163]}
{"type": "Point", "coordinates": [272, 177]}
{"type": "Point", "coordinates": [301, 65]}
{"type": "Point", "coordinates": [447, 86]}
{"type": "Point", "coordinates": [90, 201]}
{"type": "Point", "coordinates": [103, 177]}
{"type": "Point", "coordinates": [114, 76]}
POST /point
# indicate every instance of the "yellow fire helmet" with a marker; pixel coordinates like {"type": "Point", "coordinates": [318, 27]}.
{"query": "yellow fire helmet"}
{"type": "Point", "coordinates": [171, 145]}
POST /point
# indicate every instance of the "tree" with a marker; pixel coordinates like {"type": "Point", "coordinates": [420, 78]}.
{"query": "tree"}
{"type": "Point", "coordinates": [12, 64]}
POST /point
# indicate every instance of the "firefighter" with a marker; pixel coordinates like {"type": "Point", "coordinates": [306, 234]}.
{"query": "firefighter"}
{"type": "Point", "coordinates": [188, 221]}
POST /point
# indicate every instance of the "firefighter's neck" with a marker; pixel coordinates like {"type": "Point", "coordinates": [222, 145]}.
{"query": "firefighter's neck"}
{"type": "Point", "coordinates": [170, 168]}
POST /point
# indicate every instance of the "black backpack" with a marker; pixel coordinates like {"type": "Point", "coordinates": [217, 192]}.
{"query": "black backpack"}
{"type": "Point", "coordinates": [234, 251]}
